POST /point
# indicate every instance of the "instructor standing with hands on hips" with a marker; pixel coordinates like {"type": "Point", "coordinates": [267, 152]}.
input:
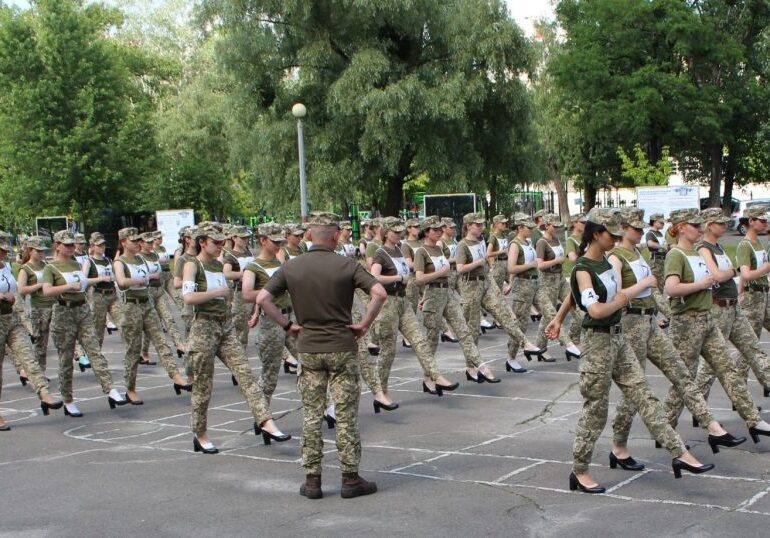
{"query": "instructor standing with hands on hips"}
{"type": "Point", "coordinates": [321, 284]}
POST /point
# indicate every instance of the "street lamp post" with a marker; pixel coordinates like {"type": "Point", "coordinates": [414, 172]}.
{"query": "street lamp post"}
{"type": "Point", "coordinates": [299, 111]}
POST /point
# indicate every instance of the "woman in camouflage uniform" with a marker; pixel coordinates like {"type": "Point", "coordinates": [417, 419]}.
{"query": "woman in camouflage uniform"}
{"type": "Point", "coordinates": [571, 248]}
{"type": "Point", "coordinates": [98, 271]}
{"type": "Point", "coordinates": [649, 341]}
{"type": "Point", "coordinates": [14, 338]}
{"type": "Point", "coordinates": [139, 317]}
{"type": "Point", "coordinates": [693, 324]}
{"type": "Point", "coordinates": [234, 263]}
{"type": "Point", "coordinates": [212, 334]}
{"type": "Point", "coordinates": [497, 250]}
{"type": "Point", "coordinates": [72, 321]}
{"type": "Point", "coordinates": [41, 307]}
{"type": "Point", "coordinates": [608, 355]}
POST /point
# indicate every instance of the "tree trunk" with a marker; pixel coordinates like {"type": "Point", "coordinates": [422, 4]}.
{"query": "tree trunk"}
{"type": "Point", "coordinates": [716, 175]}
{"type": "Point", "coordinates": [393, 196]}
{"type": "Point", "coordinates": [560, 186]}
{"type": "Point", "coordinates": [589, 196]}
{"type": "Point", "coordinates": [727, 196]}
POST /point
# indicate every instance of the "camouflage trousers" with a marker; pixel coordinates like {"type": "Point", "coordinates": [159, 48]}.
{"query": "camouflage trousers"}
{"type": "Point", "coordinates": [374, 331]}
{"type": "Point", "coordinates": [499, 272]}
{"type": "Point", "coordinates": [650, 342]}
{"type": "Point", "coordinates": [71, 325]}
{"type": "Point", "coordinates": [271, 342]}
{"type": "Point", "coordinates": [607, 358]}
{"type": "Point", "coordinates": [443, 305]}
{"type": "Point", "coordinates": [413, 294]}
{"type": "Point", "coordinates": [478, 294]}
{"type": "Point", "coordinates": [756, 306]}
{"type": "Point", "coordinates": [657, 265]}
{"type": "Point", "coordinates": [138, 320]}
{"type": "Point", "coordinates": [241, 312]}
{"type": "Point", "coordinates": [101, 304]}
{"type": "Point", "coordinates": [210, 337]}
{"type": "Point", "coordinates": [397, 315]}
{"type": "Point", "coordinates": [367, 363]}
{"type": "Point", "coordinates": [552, 289]}
{"type": "Point", "coordinates": [41, 327]}
{"type": "Point", "coordinates": [527, 293]}
{"type": "Point", "coordinates": [164, 306]}
{"type": "Point", "coordinates": [697, 333]}
{"type": "Point", "coordinates": [15, 339]}
{"type": "Point", "coordinates": [338, 374]}
{"type": "Point", "coordinates": [736, 329]}
{"type": "Point", "coordinates": [21, 307]}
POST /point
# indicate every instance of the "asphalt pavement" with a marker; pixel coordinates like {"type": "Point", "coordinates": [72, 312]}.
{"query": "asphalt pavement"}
{"type": "Point", "coordinates": [483, 460]}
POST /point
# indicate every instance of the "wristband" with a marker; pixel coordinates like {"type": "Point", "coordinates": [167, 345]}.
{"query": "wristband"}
{"type": "Point", "coordinates": [288, 325]}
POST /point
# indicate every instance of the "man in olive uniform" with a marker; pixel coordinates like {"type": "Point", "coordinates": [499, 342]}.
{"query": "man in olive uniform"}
{"type": "Point", "coordinates": [321, 284]}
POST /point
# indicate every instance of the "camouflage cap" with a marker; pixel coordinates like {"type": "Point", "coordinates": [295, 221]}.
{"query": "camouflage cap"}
{"type": "Point", "coordinates": [346, 225]}
{"type": "Point", "coordinates": [365, 222]}
{"type": "Point", "coordinates": [499, 218]}
{"type": "Point", "coordinates": [191, 231]}
{"type": "Point", "coordinates": [148, 237]}
{"type": "Point", "coordinates": [376, 221]}
{"type": "Point", "coordinates": [183, 231]}
{"type": "Point", "coordinates": [242, 231]}
{"type": "Point", "coordinates": [448, 221]}
{"type": "Point", "coordinates": [272, 231]}
{"type": "Point", "coordinates": [607, 217]}
{"type": "Point", "coordinates": [65, 237]}
{"type": "Point", "coordinates": [552, 219]}
{"type": "Point", "coordinates": [756, 212]}
{"type": "Point", "coordinates": [296, 229]}
{"type": "Point", "coordinates": [474, 218]}
{"type": "Point", "coordinates": [212, 232]}
{"type": "Point", "coordinates": [227, 229]}
{"type": "Point", "coordinates": [656, 217]}
{"type": "Point", "coordinates": [632, 216]}
{"type": "Point", "coordinates": [5, 244]}
{"type": "Point", "coordinates": [36, 242]}
{"type": "Point", "coordinates": [431, 222]}
{"type": "Point", "coordinates": [714, 214]}
{"type": "Point", "coordinates": [522, 219]}
{"type": "Point", "coordinates": [80, 239]}
{"type": "Point", "coordinates": [322, 218]}
{"type": "Point", "coordinates": [393, 224]}
{"type": "Point", "coordinates": [210, 224]}
{"type": "Point", "coordinates": [413, 223]}
{"type": "Point", "coordinates": [539, 213]}
{"type": "Point", "coordinates": [578, 217]}
{"type": "Point", "coordinates": [97, 238]}
{"type": "Point", "coordinates": [130, 233]}
{"type": "Point", "coordinates": [158, 234]}
{"type": "Point", "coordinates": [690, 216]}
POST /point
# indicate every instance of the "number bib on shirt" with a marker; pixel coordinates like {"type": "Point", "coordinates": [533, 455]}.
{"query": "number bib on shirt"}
{"type": "Point", "coordinates": [7, 281]}
{"type": "Point", "coordinates": [101, 270]}
{"type": "Point", "coordinates": [502, 244]}
{"type": "Point", "coordinates": [529, 253]}
{"type": "Point", "coordinates": [138, 271]}
{"type": "Point", "coordinates": [75, 276]}
{"type": "Point", "coordinates": [215, 280]}
{"type": "Point", "coordinates": [163, 257]}
{"type": "Point", "coordinates": [439, 262]}
{"type": "Point", "coordinates": [641, 271]}
{"type": "Point", "coordinates": [610, 284]}
{"type": "Point", "coordinates": [558, 251]}
{"type": "Point", "coordinates": [452, 250]}
{"type": "Point", "coordinates": [761, 256]}
{"type": "Point", "coordinates": [478, 251]}
{"type": "Point", "coordinates": [723, 262]}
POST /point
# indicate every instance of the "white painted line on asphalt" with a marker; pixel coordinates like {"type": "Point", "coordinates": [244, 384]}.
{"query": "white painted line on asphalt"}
{"type": "Point", "coordinates": [752, 500]}
{"type": "Point", "coordinates": [627, 481]}
{"type": "Point", "coordinates": [517, 471]}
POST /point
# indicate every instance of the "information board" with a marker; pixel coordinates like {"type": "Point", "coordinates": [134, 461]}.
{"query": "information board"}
{"type": "Point", "coordinates": [667, 199]}
{"type": "Point", "coordinates": [169, 222]}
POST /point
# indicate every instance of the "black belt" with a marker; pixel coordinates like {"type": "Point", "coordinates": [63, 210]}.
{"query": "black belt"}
{"type": "Point", "coordinates": [724, 303]}
{"type": "Point", "coordinates": [502, 257]}
{"type": "Point", "coordinates": [397, 293]}
{"type": "Point", "coordinates": [525, 277]}
{"type": "Point", "coordinates": [6, 307]}
{"type": "Point", "coordinates": [474, 278]}
{"type": "Point", "coordinates": [612, 329]}
{"type": "Point", "coordinates": [71, 304]}
{"type": "Point", "coordinates": [155, 284]}
{"type": "Point", "coordinates": [438, 284]}
{"type": "Point", "coordinates": [756, 287]}
{"type": "Point", "coordinates": [166, 270]}
{"type": "Point", "coordinates": [641, 311]}
{"type": "Point", "coordinates": [136, 300]}
{"type": "Point", "coordinates": [214, 317]}
{"type": "Point", "coordinates": [104, 291]}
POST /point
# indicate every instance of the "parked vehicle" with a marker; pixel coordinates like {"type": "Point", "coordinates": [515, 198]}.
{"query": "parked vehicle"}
{"type": "Point", "coordinates": [743, 221]}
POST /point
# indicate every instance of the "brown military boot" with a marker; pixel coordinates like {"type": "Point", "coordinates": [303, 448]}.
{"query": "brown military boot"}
{"type": "Point", "coordinates": [355, 486]}
{"type": "Point", "coordinates": [312, 487]}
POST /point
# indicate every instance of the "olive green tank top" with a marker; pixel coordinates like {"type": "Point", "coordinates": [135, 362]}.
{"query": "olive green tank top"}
{"type": "Point", "coordinates": [34, 272]}
{"type": "Point", "coordinates": [526, 254]}
{"type": "Point", "coordinates": [633, 267]}
{"type": "Point", "coordinates": [604, 284]}
{"type": "Point", "coordinates": [210, 275]}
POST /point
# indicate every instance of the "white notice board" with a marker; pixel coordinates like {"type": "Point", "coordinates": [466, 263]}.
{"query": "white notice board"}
{"type": "Point", "coordinates": [169, 222]}
{"type": "Point", "coordinates": [667, 199]}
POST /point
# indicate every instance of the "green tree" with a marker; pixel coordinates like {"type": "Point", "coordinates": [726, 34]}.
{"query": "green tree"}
{"type": "Point", "coordinates": [638, 169]}
{"type": "Point", "coordinates": [393, 89]}
{"type": "Point", "coordinates": [77, 136]}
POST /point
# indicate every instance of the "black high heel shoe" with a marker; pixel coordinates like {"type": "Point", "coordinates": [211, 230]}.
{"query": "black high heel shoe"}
{"type": "Point", "coordinates": [330, 422]}
{"type": "Point", "coordinates": [726, 440]}
{"type": "Point", "coordinates": [509, 368]}
{"type": "Point", "coordinates": [574, 484]}
{"type": "Point", "coordinates": [571, 355]}
{"type": "Point", "coordinates": [113, 402]}
{"type": "Point", "coordinates": [483, 330]}
{"type": "Point", "coordinates": [67, 413]}
{"type": "Point", "coordinates": [446, 338]}
{"type": "Point", "coordinates": [197, 447]}
{"type": "Point", "coordinates": [83, 368]}
{"type": "Point", "coordinates": [257, 429]}
{"type": "Point", "coordinates": [268, 437]}
{"type": "Point", "coordinates": [45, 407]}
{"type": "Point", "coordinates": [678, 466]}
{"type": "Point", "coordinates": [437, 391]}
{"type": "Point", "coordinates": [482, 377]}
{"type": "Point", "coordinates": [694, 422]}
{"type": "Point", "coordinates": [447, 388]}
{"type": "Point", "coordinates": [23, 380]}
{"type": "Point", "coordinates": [766, 392]}
{"type": "Point", "coordinates": [289, 368]}
{"type": "Point", "coordinates": [403, 343]}
{"type": "Point", "coordinates": [111, 330]}
{"type": "Point", "coordinates": [179, 388]}
{"type": "Point", "coordinates": [132, 402]}
{"type": "Point", "coordinates": [755, 433]}
{"type": "Point", "coordinates": [627, 464]}
{"type": "Point", "coordinates": [469, 377]}
{"type": "Point", "coordinates": [235, 381]}
{"type": "Point", "coordinates": [528, 353]}
{"type": "Point", "coordinates": [536, 317]}
{"type": "Point", "coordinates": [179, 353]}
{"type": "Point", "coordinates": [542, 358]}
{"type": "Point", "coordinates": [373, 351]}
{"type": "Point", "coordinates": [379, 405]}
